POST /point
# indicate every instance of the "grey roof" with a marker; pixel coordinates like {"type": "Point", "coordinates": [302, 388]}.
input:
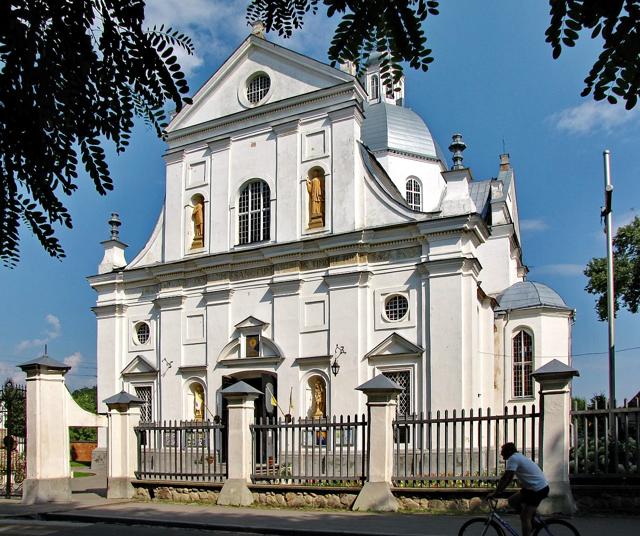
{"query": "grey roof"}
{"type": "Point", "coordinates": [380, 383]}
{"type": "Point", "coordinates": [555, 368]}
{"type": "Point", "coordinates": [240, 388]}
{"type": "Point", "coordinates": [123, 398]}
{"type": "Point", "coordinates": [44, 361]}
{"type": "Point", "coordinates": [525, 294]}
{"type": "Point", "coordinates": [480, 191]}
{"type": "Point", "coordinates": [388, 126]}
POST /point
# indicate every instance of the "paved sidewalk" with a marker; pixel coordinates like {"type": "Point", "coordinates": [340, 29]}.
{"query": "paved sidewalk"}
{"type": "Point", "coordinates": [89, 506]}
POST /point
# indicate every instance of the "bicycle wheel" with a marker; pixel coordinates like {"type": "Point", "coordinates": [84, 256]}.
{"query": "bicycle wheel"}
{"type": "Point", "coordinates": [480, 526]}
{"type": "Point", "coordinates": [556, 527]}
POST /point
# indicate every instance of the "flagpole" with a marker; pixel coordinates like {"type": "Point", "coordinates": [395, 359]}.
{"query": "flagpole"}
{"type": "Point", "coordinates": [606, 213]}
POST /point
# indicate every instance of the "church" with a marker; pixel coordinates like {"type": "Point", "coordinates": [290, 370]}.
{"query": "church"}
{"type": "Point", "coordinates": [313, 236]}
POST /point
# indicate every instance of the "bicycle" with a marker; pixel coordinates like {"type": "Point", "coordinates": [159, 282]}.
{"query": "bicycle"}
{"type": "Point", "coordinates": [494, 525]}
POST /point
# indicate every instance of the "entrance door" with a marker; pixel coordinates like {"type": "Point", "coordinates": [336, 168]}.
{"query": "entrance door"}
{"type": "Point", "coordinates": [267, 384]}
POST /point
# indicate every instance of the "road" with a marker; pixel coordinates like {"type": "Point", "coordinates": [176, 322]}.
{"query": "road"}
{"type": "Point", "coordinates": [51, 528]}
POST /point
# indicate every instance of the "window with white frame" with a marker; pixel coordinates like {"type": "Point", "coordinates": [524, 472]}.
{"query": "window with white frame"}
{"type": "Point", "coordinates": [414, 194]}
{"type": "Point", "coordinates": [522, 365]}
{"type": "Point", "coordinates": [254, 213]}
{"type": "Point", "coordinates": [258, 87]}
{"type": "Point", "coordinates": [375, 87]}
{"type": "Point", "coordinates": [146, 410]}
{"type": "Point", "coordinates": [396, 307]}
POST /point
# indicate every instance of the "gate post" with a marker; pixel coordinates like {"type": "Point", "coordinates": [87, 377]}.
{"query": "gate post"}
{"type": "Point", "coordinates": [382, 394]}
{"type": "Point", "coordinates": [48, 473]}
{"type": "Point", "coordinates": [555, 407]}
{"type": "Point", "coordinates": [241, 404]}
{"type": "Point", "coordinates": [122, 446]}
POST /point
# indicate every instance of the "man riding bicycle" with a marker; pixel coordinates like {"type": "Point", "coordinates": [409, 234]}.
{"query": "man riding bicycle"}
{"type": "Point", "coordinates": [534, 486]}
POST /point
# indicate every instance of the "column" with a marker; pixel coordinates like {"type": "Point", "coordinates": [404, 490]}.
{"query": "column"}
{"type": "Point", "coordinates": [555, 407]}
{"type": "Point", "coordinates": [123, 416]}
{"type": "Point", "coordinates": [382, 400]}
{"type": "Point", "coordinates": [241, 404]}
{"type": "Point", "coordinates": [48, 474]}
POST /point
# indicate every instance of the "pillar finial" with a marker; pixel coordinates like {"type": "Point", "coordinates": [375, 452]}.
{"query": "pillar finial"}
{"type": "Point", "coordinates": [457, 147]}
{"type": "Point", "coordinates": [115, 222]}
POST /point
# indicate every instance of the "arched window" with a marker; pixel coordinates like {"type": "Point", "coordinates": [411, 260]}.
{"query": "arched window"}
{"type": "Point", "coordinates": [254, 212]}
{"type": "Point", "coordinates": [375, 87]}
{"type": "Point", "coordinates": [522, 365]}
{"type": "Point", "coordinates": [414, 194]}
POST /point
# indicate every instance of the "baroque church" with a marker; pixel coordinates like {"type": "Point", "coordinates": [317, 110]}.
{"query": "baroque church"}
{"type": "Point", "coordinates": [312, 237]}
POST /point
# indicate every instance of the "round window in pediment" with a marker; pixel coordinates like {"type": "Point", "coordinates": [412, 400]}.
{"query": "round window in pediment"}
{"type": "Point", "coordinates": [257, 87]}
{"type": "Point", "coordinates": [396, 307]}
{"type": "Point", "coordinates": [143, 332]}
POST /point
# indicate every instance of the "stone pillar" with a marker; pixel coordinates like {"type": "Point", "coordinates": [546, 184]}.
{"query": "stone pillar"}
{"type": "Point", "coordinates": [555, 406]}
{"type": "Point", "coordinates": [241, 405]}
{"type": "Point", "coordinates": [382, 395]}
{"type": "Point", "coordinates": [48, 475]}
{"type": "Point", "coordinates": [123, 416]}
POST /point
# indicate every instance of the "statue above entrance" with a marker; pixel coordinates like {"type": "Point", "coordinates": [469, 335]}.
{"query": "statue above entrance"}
{"type": "Point", "coordinates": [315, 189]}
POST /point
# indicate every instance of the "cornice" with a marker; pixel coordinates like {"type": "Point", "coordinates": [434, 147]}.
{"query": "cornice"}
{"type": "Point", "coordinates": [249, 362]}
{"type": "Point", "coordinates": [107, 311]}
{"type": "Point", "coordinates": [286, 287]}
{"type": "Point", "coordinates": [217, 296]}
{"type": "Point", "coordinates": [450, 266]}
{"type": "Point", "coordinates": [169, 303]}
{"type": "Point", "coordinates": [265, 114]}
{"type": "Point", "coordinates": [343, 280]}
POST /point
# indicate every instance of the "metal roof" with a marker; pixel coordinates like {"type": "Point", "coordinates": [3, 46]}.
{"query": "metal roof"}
{"type": "Point", "coordinates": [44, 361]}
{"type": "Point", "coordinates": [526, 294]}
{"type": "Point", "coordinates": [479, 192]}
{"type": "Point", "coordinates": [388, 126]}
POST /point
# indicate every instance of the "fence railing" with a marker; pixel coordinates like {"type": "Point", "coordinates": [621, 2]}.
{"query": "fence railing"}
{"type": "Point", "coordinates": [605, 442]}
{"type": "Point", "coordinates": [13, 441]}
{"type": "Point", "coordinates": [310, 451]}
{"type": "Point", "coordinates": [458, 448]}
{"type": "Point", "coordinates": [181, 450]}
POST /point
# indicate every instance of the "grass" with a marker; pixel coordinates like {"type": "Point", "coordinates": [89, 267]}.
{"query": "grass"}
{"type": "Point", "coordinates": [83, 465]}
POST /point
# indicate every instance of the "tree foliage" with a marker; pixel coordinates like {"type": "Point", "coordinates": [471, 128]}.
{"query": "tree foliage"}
{"type": "Point", "coordinates": [626, 271]}
{"type": "Point", "coordinates": [13, 401]}
{"type": "Point", "coordinates": [87, 399]}
{"type": "Point", "coordinates": [75, 73]}
{"type": "Point", "coordinates": [616, 72]}
{"type": "Point", "coordinates": [391, 29]}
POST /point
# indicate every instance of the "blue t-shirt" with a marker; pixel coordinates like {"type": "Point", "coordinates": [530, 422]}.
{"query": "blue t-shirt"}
{"type": "Point", "coordinates": [527, 472]}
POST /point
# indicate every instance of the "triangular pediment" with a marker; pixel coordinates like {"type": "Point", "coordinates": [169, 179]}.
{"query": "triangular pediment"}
{"type": "Point", "coordinates": [394, 345]}
{"type": "Point", "coordinates": [251, 322]}
{"type": "Point", "coordinates": [290, 74]}
{"type": "Point", "coordinates": [139, 365]}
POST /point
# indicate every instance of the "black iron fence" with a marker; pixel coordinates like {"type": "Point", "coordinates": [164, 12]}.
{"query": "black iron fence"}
{"type": "Point", "coordinates": [458, 448]}
{"type": "Point", "coordinates": [181, 450]}
{"type": "Point", "coordinates": [13, 442]}
{"type": "Point", "coordinates": [310, 451]}
{"type": "Point", "coordinates": [605, 442]}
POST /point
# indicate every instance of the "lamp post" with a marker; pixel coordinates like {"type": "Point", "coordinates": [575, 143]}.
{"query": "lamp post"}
{"type": "Point", "coordinates": [334, 369]}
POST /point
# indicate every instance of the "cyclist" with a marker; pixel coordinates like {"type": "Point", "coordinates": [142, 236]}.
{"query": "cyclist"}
{"type": "Point", "coordinates": [534, 486]}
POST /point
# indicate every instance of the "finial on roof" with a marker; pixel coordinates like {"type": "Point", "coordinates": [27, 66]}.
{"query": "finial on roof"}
{"type": "Point", "coordinates": [457, 147]}
{"type": "Point", "coordinates": [505, 163]}
{"type": "Point", "coordinates": [258, 29]}
{"type": "Point", "coordinates": [349, 67]}
{"type": "Point", "coordinates": [115, 222]}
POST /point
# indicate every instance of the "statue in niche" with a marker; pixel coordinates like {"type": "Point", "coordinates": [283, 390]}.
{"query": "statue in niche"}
{"type": "Point", "coordinates": [198, 402]}
{"type": "Point", "coordinates": [319, 398]}
{"type": "Point", "coordinates": [315, 189]}
{"type": "Point", "coordinates": [198, 224]}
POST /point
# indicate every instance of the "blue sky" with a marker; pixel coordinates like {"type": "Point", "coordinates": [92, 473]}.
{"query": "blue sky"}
{"type": "Point", "coordinates": [493, 80]}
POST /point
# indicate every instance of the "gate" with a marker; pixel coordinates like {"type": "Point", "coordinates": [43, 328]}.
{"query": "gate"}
{"type": "Point", "coordinates": [13, 405]}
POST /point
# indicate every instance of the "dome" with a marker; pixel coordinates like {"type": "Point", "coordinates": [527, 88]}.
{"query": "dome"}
{"type": "Point", "coordinates": [525, 294]}
{"type": "Point", "coordinates": [388, 126]}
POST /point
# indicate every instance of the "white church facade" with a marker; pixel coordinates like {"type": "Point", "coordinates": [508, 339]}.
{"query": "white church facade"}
{"type": "Point", "coordinates": [313, 237]}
